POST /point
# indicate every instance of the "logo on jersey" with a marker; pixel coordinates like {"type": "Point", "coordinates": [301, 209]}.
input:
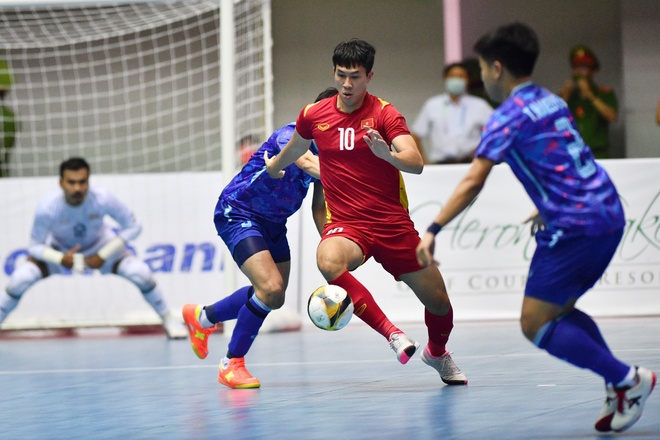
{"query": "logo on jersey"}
{"type": "Point", "coordinates": [323, 127]}
{"type": "Point", "coordinates": [80, 230]}
{"type": "Point", "coordinates": [367, 123]}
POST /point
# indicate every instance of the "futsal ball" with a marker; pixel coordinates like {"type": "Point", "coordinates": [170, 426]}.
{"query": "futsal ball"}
{"type": "Point", "coordinates": [330, 307]}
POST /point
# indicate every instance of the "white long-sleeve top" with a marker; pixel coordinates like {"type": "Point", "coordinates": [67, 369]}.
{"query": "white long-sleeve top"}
{"type": "Point", "coordinates": [62, 226]}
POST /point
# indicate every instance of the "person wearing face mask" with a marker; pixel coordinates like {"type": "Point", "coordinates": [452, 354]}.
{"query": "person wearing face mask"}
{"type": "Point", "coordinates": [449, 125]}
{"type": "Point", "coordinates": [593, 106]}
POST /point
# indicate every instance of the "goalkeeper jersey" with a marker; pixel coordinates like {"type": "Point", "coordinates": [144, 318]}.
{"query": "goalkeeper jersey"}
{"type": "Point", "coordinates": [62, 226]}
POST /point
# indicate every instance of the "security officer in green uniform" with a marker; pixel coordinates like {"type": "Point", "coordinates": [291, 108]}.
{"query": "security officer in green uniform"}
{"type": "Point", "coordinates": [593, 106]}
{"type": "Point", "coordinates": [7, 120]}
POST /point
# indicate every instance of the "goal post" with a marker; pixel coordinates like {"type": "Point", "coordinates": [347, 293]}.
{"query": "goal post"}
{"type": "Point", "coordinates": [135, 87]}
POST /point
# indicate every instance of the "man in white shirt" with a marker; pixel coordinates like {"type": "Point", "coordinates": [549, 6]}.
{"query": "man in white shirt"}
{"type": "Point", "coordinates": [69, 232]}
{"type": "Point", "coordinates": [449, 125]}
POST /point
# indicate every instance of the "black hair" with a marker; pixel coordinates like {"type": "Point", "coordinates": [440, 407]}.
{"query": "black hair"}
{"type": "Point", "coordinates": [448, 67]}
{"type": "Point", "coordinates": [515, 45]}
{"type": "Point", "coordinates": [73, 164]}
{"type": "Point", "coordinates": [354, 53]}
{"type": "Point", "coordinates": [327, 93]}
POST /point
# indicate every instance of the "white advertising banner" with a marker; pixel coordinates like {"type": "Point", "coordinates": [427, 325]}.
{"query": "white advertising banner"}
{"type": "Point", "coordinates": [484, 253]}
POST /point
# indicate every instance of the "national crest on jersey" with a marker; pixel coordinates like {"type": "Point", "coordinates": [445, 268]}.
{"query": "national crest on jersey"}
{"type": "Point", "coordinates": [357, 184]}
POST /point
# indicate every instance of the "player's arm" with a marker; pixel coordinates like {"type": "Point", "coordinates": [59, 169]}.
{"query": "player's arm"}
{"type": "Point", "coordinates": [130, 229]}
{"type": "Point", "coordinates": [39, 250]}
{"type": "Point", "coordinates": [295, 148]}
{"type": "Point", "coordinates": [70, 259]}
{"type": "Point", "coordinates": [309, 163]}
{"type": "Point", "coordinates": [605, 109]}
{"type": "Point", "coordinates": [405, 157]}
{"type": "Point", "coordinates": [318, 207]}
{"type": "Point", "coordinates": [418, 142]}
{"type": "Point", "coordinates": [466, 191]}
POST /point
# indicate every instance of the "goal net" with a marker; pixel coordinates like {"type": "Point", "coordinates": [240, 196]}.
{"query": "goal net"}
{"type": "Point", "coordinates": [135, 88]}
{"type": "Point", "coordinates": [132, 86]}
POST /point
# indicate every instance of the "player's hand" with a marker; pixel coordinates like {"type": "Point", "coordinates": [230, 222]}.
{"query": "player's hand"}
{"type": "Point", "coordinates": [537, 223]}
{"type": "Point", "coordinates": [67, 259]}
{"type": "Point", "coordinates": [377, 144]}
{"type": "Point", "coordinates": [270, 167]}
{"type": "Point", "coordinates": [94, 261]}
{"type": "Point", "coordinates": [425, 250]}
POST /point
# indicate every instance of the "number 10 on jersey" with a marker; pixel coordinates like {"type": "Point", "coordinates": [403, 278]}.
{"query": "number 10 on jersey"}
{"type": "Point", "coordinates": [346, 138]}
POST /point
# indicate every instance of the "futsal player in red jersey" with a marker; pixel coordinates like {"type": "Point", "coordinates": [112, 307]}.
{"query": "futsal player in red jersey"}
{"type": "Point", "coordinates": [364, 144]}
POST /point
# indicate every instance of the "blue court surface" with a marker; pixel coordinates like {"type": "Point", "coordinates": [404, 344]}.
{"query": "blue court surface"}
{"type": "Point", "coordinates": [315, 385]}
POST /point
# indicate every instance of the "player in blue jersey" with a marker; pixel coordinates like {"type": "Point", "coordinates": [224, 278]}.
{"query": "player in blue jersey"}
{"type": "Point", "coordinates": [580, 216]}
{"type": "Point", "coordinates": [250, 217]}
{"type": "Point", "coordinates": [70, 232]}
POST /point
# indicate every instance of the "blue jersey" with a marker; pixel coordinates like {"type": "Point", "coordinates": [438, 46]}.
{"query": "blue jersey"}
{"type": "Point", "coordinates": [534, 133]}
{"type": "Point", "coordinates": [255, 193]}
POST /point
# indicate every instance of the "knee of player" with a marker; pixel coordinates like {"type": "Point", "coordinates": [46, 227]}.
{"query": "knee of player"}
{"type": "Point", "coordinates": [137, 272]}
{"type": "Point", "coordinates": [530, 326]}
{"type": "Point", "coordinates": [22, 278]}
{"type": "Point", "coordinates": [272, 294]}
{"type": "Point", "coordinates": [329, 267]}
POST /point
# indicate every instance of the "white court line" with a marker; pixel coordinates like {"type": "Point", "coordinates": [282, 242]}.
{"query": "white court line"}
{"type": "Point", "coordinates": [279, 364]}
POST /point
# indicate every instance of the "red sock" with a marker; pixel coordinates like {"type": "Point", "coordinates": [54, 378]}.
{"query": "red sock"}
{"type": "Point", "coordinates": [439, 328]}
{"type": "Point", "coordinates": [364, 304]}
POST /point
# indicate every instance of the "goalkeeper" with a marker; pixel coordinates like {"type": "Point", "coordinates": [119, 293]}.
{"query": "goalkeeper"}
{"type": "Point", "coordinates": [250, 217]}
{"type": "Point", "coordinates": [69, 232]}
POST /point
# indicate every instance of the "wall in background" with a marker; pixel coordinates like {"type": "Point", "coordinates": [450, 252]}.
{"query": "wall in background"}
{"type": "Point", "coordinates": [410, 43]}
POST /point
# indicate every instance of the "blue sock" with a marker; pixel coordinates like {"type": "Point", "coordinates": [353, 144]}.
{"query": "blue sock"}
{"type": "Point", "coordinates": [228, 307]}
{"type": "Point", "coordinates": [570, 338]}
{"type": "Point", "coordinates": [248, 323]}
{"type": "Point", "coordinates": [587, 324]}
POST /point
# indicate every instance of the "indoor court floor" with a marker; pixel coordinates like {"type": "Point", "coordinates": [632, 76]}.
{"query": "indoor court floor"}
{"type": "Point", "coordinates": [314, 385]}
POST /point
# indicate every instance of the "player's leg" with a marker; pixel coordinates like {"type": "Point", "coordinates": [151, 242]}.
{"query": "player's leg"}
{"type": "Point", "coordinates": [269, 281]}
{"type": "Point", "coordinates": [336, 256]}
{"type": "Point", "coordinates": [429, 287]}
{"type": "Point", "coordinates": [139, 273]}
{"type": "Point", "coordinates": [261, 250]}
{"type": "Point", "coordinates": [560, 331]}
{"type": "Point", "coordinates": [24, 276]}
{"type": "Point", "coordinates": [562, 273]}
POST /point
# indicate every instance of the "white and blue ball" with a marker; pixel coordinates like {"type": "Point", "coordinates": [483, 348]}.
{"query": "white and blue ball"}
{"type": "Point", "coordinates": [330, 307]}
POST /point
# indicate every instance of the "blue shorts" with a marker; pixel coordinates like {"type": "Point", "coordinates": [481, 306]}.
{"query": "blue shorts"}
{"type": "Point", "coordinates": [245, 235]}
{"type": "Point", "coordinates": [564, 269]}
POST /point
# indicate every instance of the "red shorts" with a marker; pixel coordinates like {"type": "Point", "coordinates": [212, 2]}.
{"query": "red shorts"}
{"type": "Point", "coordinates": [391, 245]}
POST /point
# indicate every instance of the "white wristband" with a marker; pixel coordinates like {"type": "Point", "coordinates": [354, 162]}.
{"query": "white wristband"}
{"type": "Point", "coordinates": [78, 263]}
{"type": "Point", "coordinates": [52, 256]}
{"type": "Point", "coordinates": [113, 247]}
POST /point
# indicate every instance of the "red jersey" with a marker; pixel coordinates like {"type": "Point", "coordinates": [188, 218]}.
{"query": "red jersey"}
{"type": "Point", "coordinates": [358, 186]}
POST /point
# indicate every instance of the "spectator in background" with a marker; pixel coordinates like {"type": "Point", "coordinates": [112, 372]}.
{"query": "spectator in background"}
{"type": "Point", "coordinates": [7, 120]}
{"type": "Point", "coordinates": [451, 122]}
{"type": "Point", "coordinates": [594, 107]}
